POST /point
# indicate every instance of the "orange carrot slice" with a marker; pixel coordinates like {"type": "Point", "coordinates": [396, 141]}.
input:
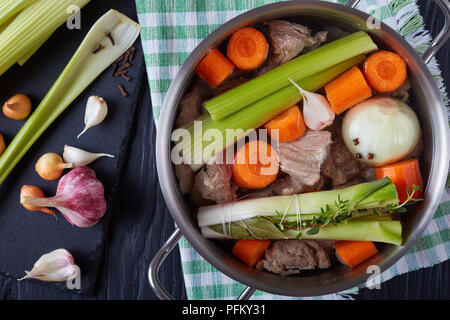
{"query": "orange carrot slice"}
{"type": "Point", "coordinates": [352, 253]}
{"type": "Point", "coordinates": [249, 250]}
{"type": "Point", "coordinates": [255, 165]}
{"type": "Point", "coordinates": [247, 48]}
{"type": "Point", "coordinates": [403, 174]}
{"type": "Point", "coordinates": [385, 71]}
{"type": "Point", "coordinates": [214, 68]}
{"type": "Point", "coordinates": [290, 125]}
{"type": "Point", "coordinates": [347, 90]}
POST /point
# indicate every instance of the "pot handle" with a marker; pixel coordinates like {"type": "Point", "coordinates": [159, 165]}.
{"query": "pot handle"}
{"type": "Point", "coordinates": [157, 261]}
{"type": "Point", "coordinates": [352, 3]}
{"type": "Point", "coordinates": [443, 36]}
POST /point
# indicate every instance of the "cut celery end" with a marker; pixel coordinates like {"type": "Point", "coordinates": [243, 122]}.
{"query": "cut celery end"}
{"type": "Point", "coordinates": [32, 23]}
{"type": "Point", "coordinates": [84, 67]}
{"type": "Point", "coordinates": [196, 150]}
{"type": "Point", "coordinates": [297, 69]}
{"type": "Point", "coordinates": [9, 8]}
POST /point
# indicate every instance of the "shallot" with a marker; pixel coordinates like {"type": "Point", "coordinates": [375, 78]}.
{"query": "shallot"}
{"type": "Point", "coordinates": [96, 111]}
{"type": "Point", "coordinates": [58, 265]}
{"type": "Point", "coordinates": [32, 191]}
{"type": "Point", "coordinates": [17, 107]}
{"type": "Point", "coordinates": [80, 157]}
{"type": "Point", "coordinates": [2, 145]}
{"type": "Point", "coordinates": [51, 166]}
{"type": "Point", "coordinates": [80, 197]}
{"type": "Point", "coordinates": [317, 111]}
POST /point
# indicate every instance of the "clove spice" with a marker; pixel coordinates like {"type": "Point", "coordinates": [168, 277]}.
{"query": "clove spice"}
{"type": "Point", "coordinates": [122, 90]}
{"type": "Point", "coordinates": [111, 39]}
{"type": "Point", "coordinates": [100, 47]}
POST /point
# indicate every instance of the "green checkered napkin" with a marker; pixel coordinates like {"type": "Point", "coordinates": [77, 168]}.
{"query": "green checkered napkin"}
{"type": "Point", "coordinates": [173, 28]}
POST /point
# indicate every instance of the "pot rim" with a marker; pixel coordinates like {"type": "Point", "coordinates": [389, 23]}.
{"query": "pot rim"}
{"type": "Point", "coordinates": [175, 201]}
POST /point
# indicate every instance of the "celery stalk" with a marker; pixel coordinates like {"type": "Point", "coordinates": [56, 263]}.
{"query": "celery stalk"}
{"type": "Point", "coordinates": [84, 67]}
{"type": "Point", "coordinates": [31, 51]}
{"type": "Point", "coordinates": [297, 69]}
{"type": "Point", "coordinates": [33, 22]}
{"type": "Point", "coordinates": [8, 8]}
{"type": "Point", "coordinates": [251, 117]}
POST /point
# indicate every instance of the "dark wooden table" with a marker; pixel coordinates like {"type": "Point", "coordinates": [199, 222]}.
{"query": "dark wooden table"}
{"type": "Point", "coordinates": [141, 223]}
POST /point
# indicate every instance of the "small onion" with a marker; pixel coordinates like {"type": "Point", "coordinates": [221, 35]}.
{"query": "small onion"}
{"type": "Point", "coordinates": [381, 130]}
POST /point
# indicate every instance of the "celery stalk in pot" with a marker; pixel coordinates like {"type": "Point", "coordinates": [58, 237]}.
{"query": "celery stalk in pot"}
{"type": "Point", "coordinates": [93, 56]}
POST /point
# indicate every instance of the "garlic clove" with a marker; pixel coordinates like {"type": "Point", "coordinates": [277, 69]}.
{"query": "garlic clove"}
{"type": "Point", "coordinates": [96, 111]}
{"type": "Point", "coordinates": [55, 266]}
{"type": "Point", "coordinates": [317, 111]}
{"type": "Point", "coordinates": [80, 157]}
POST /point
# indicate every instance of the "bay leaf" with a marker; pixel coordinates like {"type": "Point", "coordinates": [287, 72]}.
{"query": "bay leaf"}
{"type": "Point", "coordinates": [253, 228]}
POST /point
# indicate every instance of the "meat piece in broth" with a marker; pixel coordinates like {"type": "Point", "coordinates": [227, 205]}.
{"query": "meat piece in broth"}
{"type": "Point", "coordinates": [290, 39]}
{"type": "Point", "coordinates": [214, 183]}
{"type": "Point", "coordinates": [191, 104]}
{"type": "Point", "coordinates": [341, 167]}
{"type": "Point", "coordinates": [401, 93]}
{"type": "Point", "coordinates": [288, 257]}
{"type": "Point", "coordinates": [185, 177]}
{"type": "Point", "coordinates": [302, 160]}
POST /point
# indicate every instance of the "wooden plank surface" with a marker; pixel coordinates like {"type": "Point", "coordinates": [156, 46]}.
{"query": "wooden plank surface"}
{"type": "Point", "coordinates": [141, 223]}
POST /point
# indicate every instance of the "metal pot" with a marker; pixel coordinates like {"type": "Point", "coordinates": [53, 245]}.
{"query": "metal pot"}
{"type": "Point", "coordinates": [428, 105]}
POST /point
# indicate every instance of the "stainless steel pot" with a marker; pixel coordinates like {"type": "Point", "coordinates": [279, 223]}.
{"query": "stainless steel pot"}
{"type": "Point", "coordinates": [429, 107]}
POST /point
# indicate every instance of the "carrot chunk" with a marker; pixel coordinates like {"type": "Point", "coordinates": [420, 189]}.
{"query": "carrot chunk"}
{"type": "Point", "coordinates": [250, 251]}
{"type": "Point", "coordinates": [404, 174]}
{"type": "Point", "coordinates": [352, 253]}
{"type": "Point", "coordinates": [347, 90]}
{"type": "Point", "coordinates": [255, 165]}
{"type": "Point", "coordinates": [290, 125]}
{"type": "Point", "coordinates": [247, 48]}
{"type": "Point", "coordinates": [214, 68]}
{"type": "Point", "coordinates": [385, 71]}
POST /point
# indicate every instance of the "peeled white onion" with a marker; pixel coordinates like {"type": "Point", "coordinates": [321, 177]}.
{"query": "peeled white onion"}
{"type": "Point", "coordinates": [381, 130]}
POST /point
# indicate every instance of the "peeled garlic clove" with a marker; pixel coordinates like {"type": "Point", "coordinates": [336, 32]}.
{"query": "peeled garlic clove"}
{"type": "Point", "coordinates": [55, 266]}
{"type": "Point", "coordinates": [317, 111]}
{"type": "Point", "coordinates": [96, 111]}
{"type": "Point", "coordinates": [80, 157]}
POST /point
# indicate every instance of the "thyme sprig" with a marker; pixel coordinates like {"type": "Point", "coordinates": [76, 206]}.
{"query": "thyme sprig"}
{"type": "Point", "coordinates": [331, 216]}
{"type": "Point", "coordinates": [400, 208]}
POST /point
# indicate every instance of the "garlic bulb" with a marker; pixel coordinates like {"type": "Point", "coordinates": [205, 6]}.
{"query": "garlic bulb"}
{"type": "Point", "coordinates": [56, 266]}
{"type": "Point", "coordinates": [96, 111]}
{"type": "Point", "coordinates": [80, 157]}
{"type": "Point", "coordinates": [381, 130]}
{"type": "Point", "coordinates": [317, 111]}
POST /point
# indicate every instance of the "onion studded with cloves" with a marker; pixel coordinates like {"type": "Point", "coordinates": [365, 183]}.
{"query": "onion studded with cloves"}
{"type": "Point", "coordinates": [381, 130]}
{"type": "Point", "coordinates": [58, 265]}
{"type": "Point", "coordinates": [80, 197]}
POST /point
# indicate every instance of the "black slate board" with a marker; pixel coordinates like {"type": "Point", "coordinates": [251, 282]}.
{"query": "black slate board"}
{"type": "Point", "coordinates": [24, 235]}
